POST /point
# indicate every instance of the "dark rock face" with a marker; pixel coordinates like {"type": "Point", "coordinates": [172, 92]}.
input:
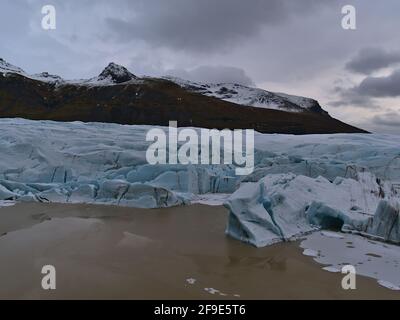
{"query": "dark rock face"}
{"type": "Point", "coordinates": [116, 74]}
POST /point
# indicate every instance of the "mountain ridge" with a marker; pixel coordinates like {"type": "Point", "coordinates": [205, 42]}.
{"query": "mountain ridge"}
{"type": "Point", "coordinates": [117, 95]}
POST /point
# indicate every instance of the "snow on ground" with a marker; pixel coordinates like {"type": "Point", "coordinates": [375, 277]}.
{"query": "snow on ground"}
{"type": "Point", "coordinates": [373, 259]}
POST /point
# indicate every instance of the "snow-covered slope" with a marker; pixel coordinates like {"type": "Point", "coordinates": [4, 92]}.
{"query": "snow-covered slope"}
{"type": "Point", "coordinates": [252, 97]}
{"type": "Point", "coordinates": [8, 69]}
{"type": "Point", "coordinates": [111, 75]}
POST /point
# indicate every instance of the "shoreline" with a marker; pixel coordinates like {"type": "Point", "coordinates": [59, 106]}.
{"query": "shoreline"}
{"type": "Point", "coordinates": [110, 252]}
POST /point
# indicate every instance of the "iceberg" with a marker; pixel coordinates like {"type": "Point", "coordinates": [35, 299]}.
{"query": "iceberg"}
{"type": "Point", "coordinates": [284, 207]}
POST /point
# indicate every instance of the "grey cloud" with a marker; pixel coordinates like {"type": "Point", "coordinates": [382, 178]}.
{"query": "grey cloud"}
{"type": "Point", "coordinates": [380, 86]}
{"type": "Point", "coordinates": [387, 122]}
{"type": "Point", "coordinates": [362, 95]}
{"type": "Point", "coordinates": [349, 97]}
{"type": "Point", "coordinates": [214, 74]}
{"type": "Point", "coordinates": [372, 59]}
{"type": "Point", "coordinates": [205, 25]}
{"type": "Point", "coordinates": [391, 119]}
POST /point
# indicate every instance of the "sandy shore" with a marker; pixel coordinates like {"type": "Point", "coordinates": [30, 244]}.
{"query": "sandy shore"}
{"type": "Point", "coordinates": [105, 252]}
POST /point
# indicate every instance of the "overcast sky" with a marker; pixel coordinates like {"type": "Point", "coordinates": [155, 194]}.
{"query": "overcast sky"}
{"type": "Point", "coordinates": [292, 46]}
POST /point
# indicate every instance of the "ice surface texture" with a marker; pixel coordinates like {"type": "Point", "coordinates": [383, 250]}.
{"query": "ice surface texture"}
{"type": "Point", "coordinates": [283, 207]}
{"type": "Point", "coordinates": [96, 163]}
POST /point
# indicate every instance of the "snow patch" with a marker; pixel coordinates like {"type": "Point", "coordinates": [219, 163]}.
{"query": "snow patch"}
{"type": "Point", "coordinates": [310, 253]}
{"type": "Point", "coordinates": [373, 259]}
{"type": "Point", "coordinates": [6, 203]}
{"type": "Point", "coordinates": [331, 269]}
{"type": "Point", "coordinates": [332, 234]}
{"type": "Point", "coordinates": [388, 285]}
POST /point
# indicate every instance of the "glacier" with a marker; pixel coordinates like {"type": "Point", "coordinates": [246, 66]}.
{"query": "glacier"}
{"type": "Point", "coordinates": [78, 162]}
{"type": "Point", "coordinates": [349, 182]}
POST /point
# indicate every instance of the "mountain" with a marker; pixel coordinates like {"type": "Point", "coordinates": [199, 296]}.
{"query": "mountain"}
{"type": "Point", "coordinates": [118, 96]}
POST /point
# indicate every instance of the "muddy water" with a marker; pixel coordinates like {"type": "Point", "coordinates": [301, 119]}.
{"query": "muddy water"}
{"type": "Point", "coordinates": [105, 252]}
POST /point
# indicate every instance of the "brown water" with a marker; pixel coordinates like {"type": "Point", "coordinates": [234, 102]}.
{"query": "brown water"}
{"type": "Point", "coordinates": [105, 252]}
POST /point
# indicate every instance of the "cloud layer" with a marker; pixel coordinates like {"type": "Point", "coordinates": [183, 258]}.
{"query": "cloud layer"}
{"type": "Point", "coordinates": [213, 74]}
{"type": "Point", "coordinates": [369, 60]}
{"type": "Point", "coordinates": [203, 26]}
{"type": "Point", "coordinates": [390, 119]}
{"type": "Point", "coordinates": [381, 86]}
